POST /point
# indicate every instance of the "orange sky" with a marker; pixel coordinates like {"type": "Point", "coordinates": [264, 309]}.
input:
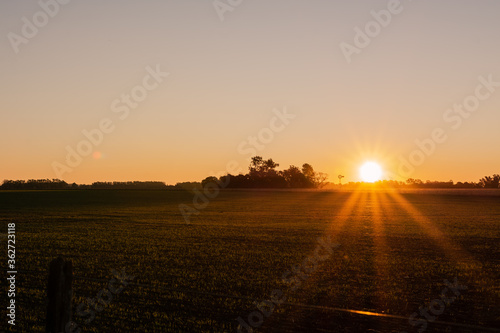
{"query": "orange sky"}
{"type": "Point", "coordinates": [428, 72]}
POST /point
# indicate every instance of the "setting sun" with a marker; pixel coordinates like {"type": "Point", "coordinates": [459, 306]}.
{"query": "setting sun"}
{"type": "Point", "coordinates": [370, 172]}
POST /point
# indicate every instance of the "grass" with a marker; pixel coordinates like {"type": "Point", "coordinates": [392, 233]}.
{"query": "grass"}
{"type": "Point", "coordinates": [396, 250]}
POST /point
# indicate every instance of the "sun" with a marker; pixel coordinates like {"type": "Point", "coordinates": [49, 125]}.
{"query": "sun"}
{"type": "Point", "coordinates": [370, 172]}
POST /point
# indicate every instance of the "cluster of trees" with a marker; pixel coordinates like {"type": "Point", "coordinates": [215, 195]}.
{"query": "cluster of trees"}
{"type": "Point", "coordinates": [149, 185]}
{"type": "Point", "coordinates": [57, 184]}
{"type": "Point", "coordinates": [264, 174]}
{"type": "Point", "coordinates": [433, 184]}
{"type": "Point", "coordinates": [490, 182]}
{"type": "Point", "coordinates": [485, 182]}
{"type": "Point", "coordinates": [34, 184]}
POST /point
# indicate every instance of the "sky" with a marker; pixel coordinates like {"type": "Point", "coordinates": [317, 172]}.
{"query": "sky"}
{"type": "Point", "coordinates": [179, 90]}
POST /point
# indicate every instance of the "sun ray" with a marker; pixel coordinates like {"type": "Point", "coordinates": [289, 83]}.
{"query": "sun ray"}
{"type": "Point", "coordinates": [457, 254]}
{"type": "Point", "coordinates": [334, 229]}
{"type": "Point", "coordinates": [381, 251]}
{"type": "Point", "coordinates": [344, 214]}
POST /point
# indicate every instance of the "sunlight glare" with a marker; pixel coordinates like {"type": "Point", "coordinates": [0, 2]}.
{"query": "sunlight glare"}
{"type": "Point", "coordinates": [370, 172]}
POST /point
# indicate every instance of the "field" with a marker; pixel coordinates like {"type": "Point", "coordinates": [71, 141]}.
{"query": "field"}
{"type": "Point", "coordinates": [395, 251]}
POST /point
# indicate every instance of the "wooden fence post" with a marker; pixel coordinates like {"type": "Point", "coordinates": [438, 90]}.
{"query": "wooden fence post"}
{"type": "Point", "coordinates": [60, 293]}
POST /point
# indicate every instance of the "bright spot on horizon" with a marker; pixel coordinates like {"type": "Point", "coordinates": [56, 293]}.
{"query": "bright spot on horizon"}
{"type": "Point", "coordinates": [370, 172]}
{"type": "Point", "coordinates": [97, 155]}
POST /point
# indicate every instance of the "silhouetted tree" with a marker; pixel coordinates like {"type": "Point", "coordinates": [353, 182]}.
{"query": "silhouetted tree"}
{"type": "Point", "coordinates": [239, 181]}
{"type": "Point", "coordinates": [414, 182]}
{"type": "Point", "coordinates": [314, 179]}
{"type": "Point", "coordinates": [309, 173]}
{"type": "Point", "coordinates": [263, 173]}
{"type": "Point", "coordinates": [320, 180]}
{"type": "Point", "coordinates": [209, 180]}
{"type": "Point", "coordinates": [490, 181]}
{"type": "Point", "coordinates": [294, 177]}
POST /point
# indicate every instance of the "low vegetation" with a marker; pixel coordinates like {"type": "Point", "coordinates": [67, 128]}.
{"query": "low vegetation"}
{"type": "Point", "coordinates": [395, 253]}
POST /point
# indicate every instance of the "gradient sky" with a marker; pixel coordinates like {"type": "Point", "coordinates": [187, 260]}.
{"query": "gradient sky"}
{"type": "Point", "coordinates": [226, 77]}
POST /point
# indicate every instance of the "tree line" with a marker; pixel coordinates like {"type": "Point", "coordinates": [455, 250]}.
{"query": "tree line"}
{"type": "Point", "coordinates": [262, 173]}
{"type": "Point", "coordinates": [57, 184]}
{"type": "Point", "coordinates": [485, 182]}
{"type": "Point", "coordinates": [418, 183]}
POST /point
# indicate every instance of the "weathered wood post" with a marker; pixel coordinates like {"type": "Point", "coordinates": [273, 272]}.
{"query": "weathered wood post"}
{"type": "Point", "coordinates": [60, 293]}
